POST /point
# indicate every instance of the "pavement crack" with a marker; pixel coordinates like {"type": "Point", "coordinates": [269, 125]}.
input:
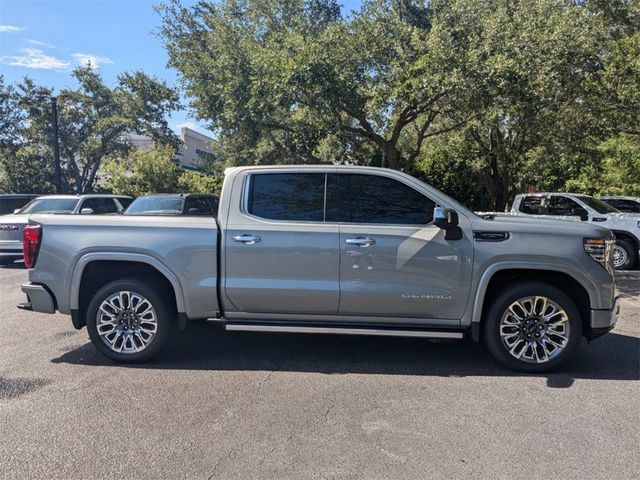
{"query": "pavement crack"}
{"type": "Point", "coordinates": [226, 456]}
{"type": "Point", "coordinates": [328, 411]}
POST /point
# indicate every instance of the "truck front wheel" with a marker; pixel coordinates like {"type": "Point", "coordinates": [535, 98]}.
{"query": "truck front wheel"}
{"type": "Point", "coordinates": [128, 321]}
{"type": "Point", "coordinates": [532, 327]}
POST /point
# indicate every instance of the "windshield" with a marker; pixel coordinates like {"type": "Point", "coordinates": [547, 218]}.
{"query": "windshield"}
{"type": "Point", "coordinates": [598, 205]}
{"type": "Point", "coordinates": [155, 206]}
{"type": "Point", "coordinates": [50, 205]}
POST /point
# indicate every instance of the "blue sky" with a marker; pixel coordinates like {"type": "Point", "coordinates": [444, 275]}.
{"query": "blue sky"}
{"type": "Point", "coordinates": [45, 40]}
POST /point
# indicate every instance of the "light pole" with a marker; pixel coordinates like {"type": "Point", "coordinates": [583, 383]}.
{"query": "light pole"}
{"type": "Point", "coordinates": [56, 143]}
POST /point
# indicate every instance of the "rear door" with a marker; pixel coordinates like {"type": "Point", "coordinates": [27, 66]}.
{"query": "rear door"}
{"type": "Point", "coordinates": [394, 261]}
{"type": "Point", "coordinates": [281, 253]}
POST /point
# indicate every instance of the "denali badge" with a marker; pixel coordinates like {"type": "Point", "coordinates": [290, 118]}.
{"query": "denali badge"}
{"type": "Point", "coordinates": [413, 296]}
{"type": "Point", "coordinates": [9, 228]}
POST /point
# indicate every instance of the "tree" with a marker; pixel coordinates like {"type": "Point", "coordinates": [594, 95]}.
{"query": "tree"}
{"type": "Point", "coordinates": [155, 171]}
{"type": "Point", "coordinates": [280, 80]}
{"type": "Point", "coordinates": [93, 122]}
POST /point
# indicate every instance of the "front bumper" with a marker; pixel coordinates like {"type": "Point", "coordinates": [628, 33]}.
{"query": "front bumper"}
{"type": "Point", "coordinates": [603, 321]}
{"type": "Point", "coordinates": [39, 299]}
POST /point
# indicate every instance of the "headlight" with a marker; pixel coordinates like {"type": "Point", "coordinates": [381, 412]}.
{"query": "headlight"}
{"type": "Point", "coordinates": [600, 250]}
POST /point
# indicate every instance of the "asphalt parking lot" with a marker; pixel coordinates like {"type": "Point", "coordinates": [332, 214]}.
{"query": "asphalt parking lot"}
{"type": "Point", "coordinates": [243, 405]}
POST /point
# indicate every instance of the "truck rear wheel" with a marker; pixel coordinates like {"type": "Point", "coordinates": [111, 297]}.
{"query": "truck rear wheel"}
{"type": "Point", "coordinates": [128, 321]}
{"type": "Point", "coordinates": [532, 327]}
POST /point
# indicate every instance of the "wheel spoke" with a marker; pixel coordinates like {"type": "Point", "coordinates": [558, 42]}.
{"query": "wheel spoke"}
{"type": "Point", "coordinates": [120, 324]}
{"type": "Point", "coordinates": [534, 329]}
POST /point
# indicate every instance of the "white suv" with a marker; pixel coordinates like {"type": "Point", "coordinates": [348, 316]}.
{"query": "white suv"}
{"type": "Point", "coordinates": [625, 226]}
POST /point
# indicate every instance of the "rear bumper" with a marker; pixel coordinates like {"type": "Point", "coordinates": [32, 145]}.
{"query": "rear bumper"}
{"type": "Point", "coordinates": [603, 321]}
{"type": "Point", "coordinates": [39, 299]}
{"type": "Point", "coordinates": [10, 249]}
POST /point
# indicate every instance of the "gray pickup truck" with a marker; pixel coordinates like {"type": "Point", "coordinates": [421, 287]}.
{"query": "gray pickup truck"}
{"type": "Point", "coordinates": [328, 249]}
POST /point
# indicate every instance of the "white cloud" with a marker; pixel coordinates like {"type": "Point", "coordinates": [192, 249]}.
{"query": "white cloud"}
{"type": "Point", "coordinates": [94, 61]}
{"type": "Point", "coordinates": [35, 58]}
{"type": "Point", "coordinates": [43, 44]}
{"type": "Point", "coordinates": [10, 29]}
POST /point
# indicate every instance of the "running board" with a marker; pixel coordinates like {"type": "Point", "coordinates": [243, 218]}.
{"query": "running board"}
{"type": "Point", "coordinates": [386, 332]}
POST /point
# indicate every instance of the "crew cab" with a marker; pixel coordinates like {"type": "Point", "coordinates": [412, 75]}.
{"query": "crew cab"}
{"type": "Point", "coordinates": [328, 250]}
{"type": "Point", "coordinates": [625, 226]}
{"type": "Point", "coordinates": [11, 225]}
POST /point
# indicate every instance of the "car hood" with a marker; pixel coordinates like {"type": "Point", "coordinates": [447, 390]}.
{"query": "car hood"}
{"type": "Point", "coordinates": [540, 224]}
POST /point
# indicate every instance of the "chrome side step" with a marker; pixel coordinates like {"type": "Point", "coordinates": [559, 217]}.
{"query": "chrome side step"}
{"type": "Point", "coordinates": [386, 332]}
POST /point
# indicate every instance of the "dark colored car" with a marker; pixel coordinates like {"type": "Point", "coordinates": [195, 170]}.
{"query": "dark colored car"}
{"type": "Point", "coordinates": [11, 202]}
{"type": "Point", "coordinates": [194, 204]}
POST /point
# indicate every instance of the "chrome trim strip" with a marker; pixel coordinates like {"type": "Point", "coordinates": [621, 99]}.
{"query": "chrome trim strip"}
{"type": "Point", "coordinates": [234, 327]}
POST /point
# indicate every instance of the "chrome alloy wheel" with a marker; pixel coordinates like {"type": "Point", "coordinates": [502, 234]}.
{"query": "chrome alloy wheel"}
{"type": "Point", "coordinates": [126, 322]}
{"type": "Point", "coordinates": [534, 329]}
{"type": "Point", "coordinates": [620, 256]}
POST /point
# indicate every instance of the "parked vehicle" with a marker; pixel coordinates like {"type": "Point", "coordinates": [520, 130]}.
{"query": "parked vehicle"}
{"type": "Point", "coordinates": [626, 227]}
{"type": "Point", "coordinates": [174, 204]}
{"type": "Point", "coordinates": [624, 204]}
{"type": "Point", "coordinates": [10, 202]}
{"type": "Point", "coordinates": [325, 249]}
{"type": "Point", "coordinates": [11, 225]}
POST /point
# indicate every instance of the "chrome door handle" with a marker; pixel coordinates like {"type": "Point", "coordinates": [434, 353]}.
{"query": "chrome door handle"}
{"type": "Point", "coordinates": [360, 241]}
{"type": "Point", "coordinates": [246, 238]}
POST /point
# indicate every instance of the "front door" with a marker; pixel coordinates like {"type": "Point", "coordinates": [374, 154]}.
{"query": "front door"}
{"type": "Point", "coordinates": [394, 261]}
{"type": "Point", "coordinates": [281, 254]}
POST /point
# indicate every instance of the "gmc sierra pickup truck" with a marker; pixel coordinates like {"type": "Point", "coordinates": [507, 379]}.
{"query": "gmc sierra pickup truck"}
{"type": "Point", "coordinates": [328, 249]}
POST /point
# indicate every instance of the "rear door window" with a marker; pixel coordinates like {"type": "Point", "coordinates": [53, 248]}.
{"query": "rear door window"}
{"type": "Point", "coordinates": [287, 196]}
{"type": "Point", "coordinates": [380, 200]}
{"type": "Point", "coordinates": [561, 205]}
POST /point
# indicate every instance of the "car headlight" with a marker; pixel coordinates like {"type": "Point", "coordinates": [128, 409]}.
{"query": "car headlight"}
{"type": "Point", "coordinates": [600, 250]}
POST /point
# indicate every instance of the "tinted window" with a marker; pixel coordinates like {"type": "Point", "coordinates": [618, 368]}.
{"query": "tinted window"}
{"type": "Point", "coordinates": [100, 206]}
{"type": "Point", "coordinates": [532, 204]}
{"type": "Point", "coordinates": [559, 205]}
{"type": "Point", "coordinates": [624, 205]}
{"type": "Point", "coordinates": [197, 206]}
{"type": "Point", "coordinates": [377, 199]}
{"type": "Point", "coordinates": [598, 205]}
{"type": "Point", "coordinates": [287, 196]}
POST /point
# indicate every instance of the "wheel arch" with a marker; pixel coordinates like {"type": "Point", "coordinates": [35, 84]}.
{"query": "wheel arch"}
{"type": "Point", "coordinates": [627, 236]}
{"type": "Point", "coordinates": [95, 270]}
{"type": "Point", "coordinates": [498, 276]}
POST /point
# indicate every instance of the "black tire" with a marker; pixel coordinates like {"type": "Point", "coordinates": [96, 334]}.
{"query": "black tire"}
{"type": "Point", "coordinates": [498, 308]}
{"type": "Point", "coordinates": [630, 254]}
{"type": "Point", "coordinates": [164, 319]}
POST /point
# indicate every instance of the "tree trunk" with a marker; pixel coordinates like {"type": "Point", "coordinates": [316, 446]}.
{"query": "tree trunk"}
{"type": "Point", "coordinates": [390, 156]}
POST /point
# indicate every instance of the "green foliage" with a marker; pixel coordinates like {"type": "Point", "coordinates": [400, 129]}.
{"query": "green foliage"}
{"type": "Point", "coordinates": [93, 120]}
{"type": "Point", "coordinates": [155, 171]}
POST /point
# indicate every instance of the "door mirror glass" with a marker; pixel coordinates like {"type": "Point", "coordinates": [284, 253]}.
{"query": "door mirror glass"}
{"type": "Point", "coordinates": [86, 211]}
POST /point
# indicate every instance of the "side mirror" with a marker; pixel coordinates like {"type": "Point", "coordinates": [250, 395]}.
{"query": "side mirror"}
{"type": "Point", "coordinates": [15, 212]}
{"type": "Point", "coordinates": [86, 211]}
{"type": "Point", "coordinates": [120, 211]}
{"type": "Point", "coordinates": [447, 220]}
{"type": "Point", "coordinates": [193, 211]}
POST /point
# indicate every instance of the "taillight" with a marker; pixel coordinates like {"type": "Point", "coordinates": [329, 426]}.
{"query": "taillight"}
{"type": "Point", "coordinates": [31, 236]}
